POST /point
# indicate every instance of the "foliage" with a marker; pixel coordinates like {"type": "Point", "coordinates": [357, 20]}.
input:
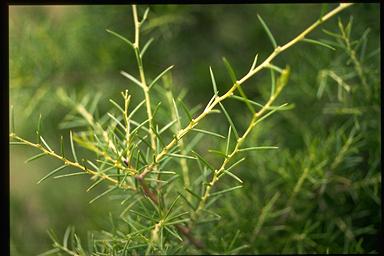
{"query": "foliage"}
{"type": "Point", "coordinates": [178, 179]}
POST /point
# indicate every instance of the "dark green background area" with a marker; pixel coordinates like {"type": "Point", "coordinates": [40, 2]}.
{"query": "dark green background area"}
{"type": "Point", "coordinates": [68, 47]}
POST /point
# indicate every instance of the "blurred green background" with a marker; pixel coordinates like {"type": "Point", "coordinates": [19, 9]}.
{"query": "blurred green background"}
{"type": "Point", "coordinates": [67, 47]}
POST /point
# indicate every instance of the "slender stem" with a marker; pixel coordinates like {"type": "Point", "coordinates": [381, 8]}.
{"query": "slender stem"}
{"type": "Point", "coordinates": [218, 172]}
{"type": "Point", "coordinates": [142, 77]}
{"type": "Point", "coordinates": [252, 72]}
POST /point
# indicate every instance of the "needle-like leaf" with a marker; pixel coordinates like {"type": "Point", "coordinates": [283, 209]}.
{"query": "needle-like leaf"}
{"type": "Point", "coordinates": [72, 146]}
{"type": "Point", "coordinates": [229, 120]}
{"type": "Point", "coordinates": [273, 41]}
{"type": "Point", "coordinates": [51, 173]}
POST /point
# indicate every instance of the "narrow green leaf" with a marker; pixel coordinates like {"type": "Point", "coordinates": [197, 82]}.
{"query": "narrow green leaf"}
{"type": "Point", "coordinates": [171, 207]}
{"type": "Point", "coordinates": [249, 106]}
{"type": "Point", "coordinates": [181, 156]}
{"type": "Point", "coordinates": [139, 126]}
{"type": "Point", "coordinates": [67, 233]}
{"type": "Point", "coordinates": [117, 105]}
{"type": "Point", "coordinates": [178, 221]}
{"type": "Point", "coordinates": [331, 33]}
{"type": "Point", "coordinates": [229, 120]}
{"type": "Point", "coordinates": [193, 194]}
{"type": "Point", "coordinates": [230, 70]}
{"type": "Point", "coordinates": [121, 37]}
{"type": "Point", "coordinates": [167, 126]}
{"type": "Point", "coordinates": [176, 111]}
{"type": "Point", "coordinates": [312, 41]}
{"type": "Point", "coordinates": [275, 68]}
{"type": "Point", "coordinates": [92, 107]}
{"type": "Point", "coordinates": [191, 144]}
{"type": "Point", "coordinates": [102, 194]}
{"type": "Point", "coordinates": [38, 129]}
{"type": "Point", "coordinates": [232, 243]}
{"type": "Point", "coordinates": [225, 190]}
{"type": "Point", "coordinates": [186, 111]}
{"type": "Point", "coordinates": [204, 161]}
{"type": "Point", "coordinates": [232, 175]}
{"type": "Point", "coordinates": [324, 8]}
{"type": "Point", "coordinates": [130, 77]}
{"type": "Point", "coordinates": [136, 109]}
{"type": "Point", "coordinates": [93, 165]}
{"type": "Point", "coordinates": [169, 181]}
{"type": "Point", "coordinates": [116, 120]}
{"type": "Point", "coordinates": [217, 152]}
{"type": "Point", "coordinates": [246, 100]}
{"type": "Point", "coordinates": [159, 76]}
{"type": "Point", "coordinates": [173, 233]}
{"type": "Point", "coordinates": [51, 173]}
{"type": "Point", "coordinates": [142, 215]}
{"type": "Point", "coordinates": [273, 81]}
{"type": "Point", "coordinates": [254, 63]}
{"type": "Point", "coordinates": [145, 47]}
{"type": "Point", "coordinates": [72, 146]}
{"type": "Point", "coordinates": [186, 200]}
{"type": "Point", "coordinates": [178, 215]}
{"type": "Point", "coordinates": [228, 140]}
{"type": "Point", "coordinates": [94, 184]}
{"type": "Point", "coordinates": [208, 132]}
{"type": "Point", "coordinates": [215, 91]}
{"type": "Point", "coordinates": [35, 157]}
{"type": "Point", "coordinates": [273, 41]}
{"type": "Point", "coordinates": [236, 163]}
{"type": "Point", "coordinates": [268, 114]}
{"type": "Point", "coordinates": [257, 148]}
{"type": "Point", "coordinates": [69, 175]}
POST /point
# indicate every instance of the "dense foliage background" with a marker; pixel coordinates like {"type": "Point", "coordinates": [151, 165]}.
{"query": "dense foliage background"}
{"type": "Point", "coordinates": [320, 192]}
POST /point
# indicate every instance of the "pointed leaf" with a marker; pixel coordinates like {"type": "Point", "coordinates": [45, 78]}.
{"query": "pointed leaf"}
{"type": "Point", "coordinates": [208, 132]}
{"type": "Point", "coordinates": [189, 115]}
{"type": "Point", "coordinates": [205, 162]}
{"type": "Point", "coordinates": [229, 120]}
{"type": "Point", "coordinates": [181, 156]}
{"type": "Point", "coordinates": [121, 37]}
{"type": "Point", "coordinates": [136, 109]}
{"type": "Point", "coordinates": [232, 175]}
{"type": "Point", "coordinates": [312, 41]}
{"type": "Point", "coordinates": [215, 91]}
{"type": "Point", "coordinates": [69, 175]}
{"type": "Point", "coordinates": [51, 173]}
{"type": "Point", "coordinates": [72, 146]}
{"type": "Point", "coordinates": [254, 63]}
{"type": "Point", "coordinates": [159, 76]}
{"type": "Point", "coordinates": [102, 194]}
{"type": "Point", "coordinates": [230, 70]}
{"type": "Point", "coordinates": [257, 148]}
{"type": "Point", "coordinates": [35, 157]}
{"type": "Point", "coordinates": [228, 141]}
{"type": "Point", "coordinates": [117, 105]}
{"type": "Point", "coordinates": [145, 47]}
{"type": "Point", "coordinates": [236, 163]}
{"type": "Point", "coordinates": [225, 191]}
{"type": "Point", "coordinates": [273, 41]}
{"type": "Point", "coordinates": [133, 79]}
